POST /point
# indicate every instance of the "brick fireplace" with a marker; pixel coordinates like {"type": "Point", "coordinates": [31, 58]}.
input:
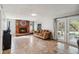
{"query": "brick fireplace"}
{"type": "Point", "coordinates": [22, 27]}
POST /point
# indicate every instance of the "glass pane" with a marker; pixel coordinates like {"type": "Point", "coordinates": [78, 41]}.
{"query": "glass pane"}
{"type": "Point", "coordinates": [73, 31]}
{"type": "Point", "coordinates": [60, 29]}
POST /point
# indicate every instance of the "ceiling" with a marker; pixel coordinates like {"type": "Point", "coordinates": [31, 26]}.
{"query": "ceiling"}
{"type": "Point", "coordinates": [43, 11]}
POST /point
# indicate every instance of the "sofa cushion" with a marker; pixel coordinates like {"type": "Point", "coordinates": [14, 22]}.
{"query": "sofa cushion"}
{"type": "Point", "coordinates": [43, 34]}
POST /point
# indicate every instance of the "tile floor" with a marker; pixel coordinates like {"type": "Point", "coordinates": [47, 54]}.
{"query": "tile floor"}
{"type": "Point", "coordinates": [32, 45]}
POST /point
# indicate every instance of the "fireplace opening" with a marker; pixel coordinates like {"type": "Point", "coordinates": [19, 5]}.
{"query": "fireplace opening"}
{"type": "Point", "coordinates": [22, 30]}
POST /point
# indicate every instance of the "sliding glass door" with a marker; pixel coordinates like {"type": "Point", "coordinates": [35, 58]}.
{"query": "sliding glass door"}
{"type": "Point", "coordinates": [67, 30]}
{"type": "Point", "coordinates": [73, 30]}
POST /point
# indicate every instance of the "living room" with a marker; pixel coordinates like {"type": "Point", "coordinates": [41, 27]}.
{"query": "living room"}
{"type": "Point", "coordinates": [36, 24]}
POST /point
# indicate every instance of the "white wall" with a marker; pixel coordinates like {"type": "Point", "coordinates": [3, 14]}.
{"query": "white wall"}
{"type": "Point", "coordinates": [0, 35]}
{"type": "Point", "coordinates": [12, 26]}
{"type": "Point", "coordinates": [1, 27]}
{"type": "Point", "coordinates": [47, 24]}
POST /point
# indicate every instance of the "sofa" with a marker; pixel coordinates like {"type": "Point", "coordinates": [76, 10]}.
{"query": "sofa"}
{"type": "Point", "coordinates": [44, 34]}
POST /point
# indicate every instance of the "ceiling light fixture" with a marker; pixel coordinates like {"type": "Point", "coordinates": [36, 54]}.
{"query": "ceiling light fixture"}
{"type": "Point", "coordinates": [34, 14]}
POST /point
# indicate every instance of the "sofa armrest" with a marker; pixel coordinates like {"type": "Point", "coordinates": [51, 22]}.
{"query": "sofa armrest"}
{"type": "Point", "coordinates": [46, 35]}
